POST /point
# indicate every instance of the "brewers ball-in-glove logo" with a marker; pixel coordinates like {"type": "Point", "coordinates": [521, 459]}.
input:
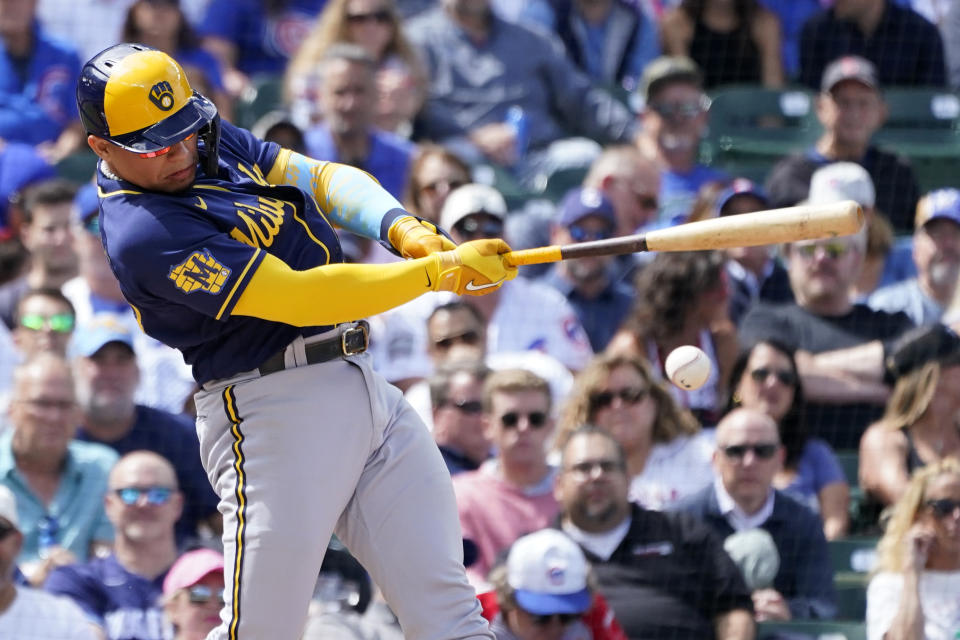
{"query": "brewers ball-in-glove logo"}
{"type": "Point", "coordinates": [200, 272]}
{"type": "Point", "coordinates": [161, 94]}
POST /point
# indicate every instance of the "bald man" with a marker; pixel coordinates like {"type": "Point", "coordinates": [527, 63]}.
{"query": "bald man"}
{"type": "Point", "coordinates": [120, 593]}
{"type": "Point", "coordinates": [748, 455]}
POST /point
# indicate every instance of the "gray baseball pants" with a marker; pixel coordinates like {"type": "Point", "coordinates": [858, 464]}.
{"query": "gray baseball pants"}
{"type": "Point", "coordinates": [316, 449]}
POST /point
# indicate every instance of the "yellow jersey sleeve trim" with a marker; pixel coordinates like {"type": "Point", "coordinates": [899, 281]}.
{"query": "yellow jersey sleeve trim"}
{"type": "Point", "coordinates": [243, 275]}
{"type": "Point", "coordinates": [104, 194]}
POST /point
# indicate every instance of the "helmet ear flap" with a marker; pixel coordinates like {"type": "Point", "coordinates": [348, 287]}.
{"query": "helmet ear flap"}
{"type": "Point", "coordinates": [210, 135]}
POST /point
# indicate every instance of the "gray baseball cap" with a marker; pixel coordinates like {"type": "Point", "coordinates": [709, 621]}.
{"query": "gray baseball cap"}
{"type": "Point", "coordinates": [850, 68]}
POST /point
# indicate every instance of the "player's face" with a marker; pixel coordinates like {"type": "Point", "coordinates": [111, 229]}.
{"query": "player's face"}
{"type": "Point", "coordinates": [195, 612]}
{"type": "Point", "coordinates": [459, 423]}
{"type": "Point", "coordinates": [106, 382]}
{"type": "Point", "coordinates": [347, 97]}
{"type": "Point", "coordinates": [936, 252]}
{"type": "Point", "coordinates": [49, 238]}
{"type": "Point", "coordinates": [593, 485]}
{"type": "Point", "coordinates": [519, 425]}
{"type": "Point", "coordinates": [53, 332]}
{"type": "Point", "coordinates": [768, 382]}
{"type": "Point", "coordinates": [747, 470]}
{"type": "Point", "coordinates": [625, 408]}
{"type": "Point", "coordinates": [43, 412]}
{"type": "Point", "coordinates": [151, 514]}
{"type": "Point", "coordinates": [171, 172]}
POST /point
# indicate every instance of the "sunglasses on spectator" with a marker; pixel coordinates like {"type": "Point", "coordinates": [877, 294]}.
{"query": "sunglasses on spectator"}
{"type": "Point", "coordinates": [832, 250]}
{"type": "Point", "coordinates": [783, 376]}
{"type": "Point", "coordinates": [763, 451]}
{"type": "Point", "coordinates": [467, 337]}
{"type": "Point", "coordinates": [537, 419]}
{"type": "Point", "coordinates": [382, 16]}
{"type": "Point", "coordinates": [689, 109]}
{"type": "Point", "coordinates": [469, 407]}
{"type": "Point", "coordinates": [91, 224]}
{"type": "Point", "coordinates": [630, 395]}
{"type": "Point", "coordinates": [475, 228]}
{"type": "Point", "coordinates": [200, 594]}
{"type": "Point", "coordinates": [165, 150]}
{"type": "Point", "coordinates": [546, 619]}
{"type": "Point", "coordinates": [49, 403]}
{"type": "Point", "coordinates": [58, 322]}
{"type": "Point", "coordinates": [6, 528]}
{"type": "Point", "coordinates": [588, 467]}
{"type": "Point", "coordinates": [581, 234]}
{"type": "Point", "coordinates": [943, 507]}
{"type": "Point", "coordinates": [155, 495]}
{"type": "Point", "coordinates": [434, 186]}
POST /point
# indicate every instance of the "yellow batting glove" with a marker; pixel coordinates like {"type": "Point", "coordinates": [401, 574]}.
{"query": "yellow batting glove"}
{"type": "Point", "coordinates": [474, 268]}
{"type": "Point", "coordinates": [417, 239]}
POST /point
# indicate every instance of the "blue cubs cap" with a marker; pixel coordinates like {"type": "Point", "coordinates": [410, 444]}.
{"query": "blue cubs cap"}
{"type": "Point", "coordinates": [582, 202]}
{"type": "Point", "coordinates": [942, 203]}
{"type": "Point", "coordinates": [741, 187]}
{"type": "Point", "coordinates": [86, 203]}
{"type": "Point", "coordinates": [97, 333]}
{"type": "Point", "coordinates": [548, 573]}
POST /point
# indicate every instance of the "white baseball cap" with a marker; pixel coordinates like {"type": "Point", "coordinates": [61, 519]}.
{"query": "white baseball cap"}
{"type": "Point", "coordinates": [471, 199]}
{"type": "Point", "coordinates": [842, 181]}
{"type": "Point", "coordinates": [548, 573]}
{"type": "Point", "coordinates": [8, 506]}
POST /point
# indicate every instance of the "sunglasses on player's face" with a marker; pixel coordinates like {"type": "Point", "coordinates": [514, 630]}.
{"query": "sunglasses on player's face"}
{"type": "Point", "coordinates": [164, 151]}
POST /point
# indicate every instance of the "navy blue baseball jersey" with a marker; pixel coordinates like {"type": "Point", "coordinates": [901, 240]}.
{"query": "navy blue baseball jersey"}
{"type": "Point", "coordinates": [184, 258]}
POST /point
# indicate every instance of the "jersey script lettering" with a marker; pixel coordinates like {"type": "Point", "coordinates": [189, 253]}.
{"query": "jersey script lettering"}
{"type": "Point", "coordinates": [262, 222]}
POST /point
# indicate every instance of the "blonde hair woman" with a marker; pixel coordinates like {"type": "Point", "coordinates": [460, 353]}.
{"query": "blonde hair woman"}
{"type": "Point", "coordinates": [375, 26]}
{"type": "Point", "coordinates": [914, 593]}
{"type": "Point", "coordinates": [668, 457]}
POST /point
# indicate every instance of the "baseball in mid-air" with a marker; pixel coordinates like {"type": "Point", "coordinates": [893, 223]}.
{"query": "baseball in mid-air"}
{"type": "Point", "coordinates": [687, 367]}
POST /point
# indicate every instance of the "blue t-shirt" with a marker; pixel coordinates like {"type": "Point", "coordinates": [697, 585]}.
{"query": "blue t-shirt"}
{"type": "Point", "coordinates": [264, 42]}
{"type": "Point", "coordinates": [126, 605]}
{"type": "Point", "coordinates": [175, 438]}
{"type": "Point", "coordinates": [38, 95]}
{"type": "Point", "coordinates": [77, 507]}
{"type": "Point", "coordinates": [816, 468]}
{"type": "Point", "coordinates": [184, 259]}
{"type": "Point", "coordinates": [388, 160]}
{"type": "Point", "coordinates": [678, 191]}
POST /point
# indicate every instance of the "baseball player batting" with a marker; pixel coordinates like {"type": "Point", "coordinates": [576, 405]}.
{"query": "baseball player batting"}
{"type": "Point", "coordinates": [224, 246]}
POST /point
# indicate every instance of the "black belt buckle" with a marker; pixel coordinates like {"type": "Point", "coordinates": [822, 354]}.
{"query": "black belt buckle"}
{"type": "Point", "coordinates": [355, 339]}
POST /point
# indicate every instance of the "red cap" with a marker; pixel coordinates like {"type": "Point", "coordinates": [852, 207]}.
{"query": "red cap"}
{"type": "Point", "coordinates": [191, 568]}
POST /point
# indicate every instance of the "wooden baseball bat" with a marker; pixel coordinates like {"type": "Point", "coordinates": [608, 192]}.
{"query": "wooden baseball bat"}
{"type": "Point", "coordinates": [806, 222]}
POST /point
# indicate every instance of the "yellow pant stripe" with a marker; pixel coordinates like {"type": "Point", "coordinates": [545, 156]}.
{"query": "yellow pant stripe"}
{"type": "Point", "coordinates": [230, 406]}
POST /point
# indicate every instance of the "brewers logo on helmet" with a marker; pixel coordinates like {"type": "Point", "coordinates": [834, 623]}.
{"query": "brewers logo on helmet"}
{"type": "Point", "coordinates": [139, 99]}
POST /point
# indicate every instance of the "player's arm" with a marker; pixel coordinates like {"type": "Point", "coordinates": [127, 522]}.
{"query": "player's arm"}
{"type": "Point", "coordinates": [352, 199]}
{"type": "Point", "coordinates": [343, 292]}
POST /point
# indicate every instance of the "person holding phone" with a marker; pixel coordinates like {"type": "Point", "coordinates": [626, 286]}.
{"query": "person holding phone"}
{"type": "Point", "coordinates": [914, 592]}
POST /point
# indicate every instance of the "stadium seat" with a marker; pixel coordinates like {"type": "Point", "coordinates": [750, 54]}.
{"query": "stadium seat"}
{"type": "Point", "coordinates": [751, 127]}
{"type": "Point", "coordinates": [855, 554]}
{"type": "Point", "coordinates": [811, 630]}
{"type": "Point", "coordinates": [924, 125]}
{"type": "Point", "coordinates": [264, 95]}
{"type": "Point", "coordinates": [851, 602]}
{"type": "Point", "coordinates": [850, 462]}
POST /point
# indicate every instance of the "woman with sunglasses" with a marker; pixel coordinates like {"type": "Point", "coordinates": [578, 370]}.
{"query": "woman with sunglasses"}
{"type": "Point", "coordinates": [193, 594]}
{"type": "Point", "coordinates": [682, 298]}
{"type": "Point", "coordinates": [764, 378]}
{"type": "Point", "coordinates": [435, 172]}
{"type": "Point", "coordinates": [914, 592]}
{"type": "Point", "coordinates": [375, 26]}
{"type": "Point", "coordinates": [668, 457]}
{"type": "Point", "coordinates": [920, 426]}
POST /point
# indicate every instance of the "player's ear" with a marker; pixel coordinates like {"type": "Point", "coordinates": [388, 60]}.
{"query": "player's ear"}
{"type": "Point", "coordinates": [99, 146]}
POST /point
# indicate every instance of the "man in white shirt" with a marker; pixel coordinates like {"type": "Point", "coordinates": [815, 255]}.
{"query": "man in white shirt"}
{"type": "Point", "coordinates": [25, 613]}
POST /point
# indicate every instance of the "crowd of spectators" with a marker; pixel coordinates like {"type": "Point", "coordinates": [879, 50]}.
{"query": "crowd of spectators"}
{"type": "Point", "coordinates": [596, 499]}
